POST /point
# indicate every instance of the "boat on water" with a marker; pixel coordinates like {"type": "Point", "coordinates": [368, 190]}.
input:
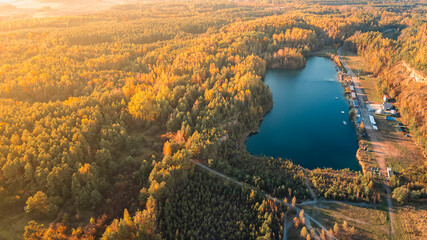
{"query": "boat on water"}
{"type": "Point", "coordinates": [345, 123]}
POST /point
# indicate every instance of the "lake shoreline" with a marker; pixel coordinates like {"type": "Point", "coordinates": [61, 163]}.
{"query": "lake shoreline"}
{"type": "Point", "coordinates": [269, 107]}
{"type": "Point", "coordinates": [250, 132]}
{"type": "Point", "coordinates": [360, 139]}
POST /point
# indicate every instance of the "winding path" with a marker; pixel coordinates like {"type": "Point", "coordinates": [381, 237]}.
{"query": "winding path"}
{"type": "Point", "coordinates": [307, 182]}
{"type": "Point", "coordinates": [308, 218]}
{"type": "Point", "coordinates": [379, 148]}
{"type": "Point", "coordinates": [285, 227]}
{"type": "Point", "coordinates": [357, 204]}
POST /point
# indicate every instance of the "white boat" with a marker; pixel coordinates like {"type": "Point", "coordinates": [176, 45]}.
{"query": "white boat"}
{"type": "Point", "coordinates": [336, 98]}
{"type": "Point", "coordinates": [345, 123]}
{"type": "Point", "coordinates": [342, 112]}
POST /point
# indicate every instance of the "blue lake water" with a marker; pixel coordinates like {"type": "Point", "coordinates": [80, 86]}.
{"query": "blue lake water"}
{"type": "Point", "coordinates": [306, 123]}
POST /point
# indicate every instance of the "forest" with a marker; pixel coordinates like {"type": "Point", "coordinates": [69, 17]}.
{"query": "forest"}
{"type": "Point", "coordinates": [384, 54]}
{"type": "Point", "coordinates": [241, 214]}
{"type": "Point", "coordinates": [101, 113]}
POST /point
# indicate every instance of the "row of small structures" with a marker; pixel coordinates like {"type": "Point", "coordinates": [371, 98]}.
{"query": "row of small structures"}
{"type": "Point", "coordinates": [376, 171]}
{"type": "Point", "coordinates": [387, 108]}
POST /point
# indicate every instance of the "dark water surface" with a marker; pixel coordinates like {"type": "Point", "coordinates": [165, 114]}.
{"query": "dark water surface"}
{"type": "Point", "coordinates": [306, 123]}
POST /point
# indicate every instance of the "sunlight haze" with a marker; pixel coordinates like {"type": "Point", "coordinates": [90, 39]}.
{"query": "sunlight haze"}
{"type": "Point", "coordinates": [213, 119]}
{"type": "Point", "coordinates": [45, 8]}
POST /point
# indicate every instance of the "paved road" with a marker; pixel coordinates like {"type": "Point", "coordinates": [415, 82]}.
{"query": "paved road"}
{"type": "Point", "coordinates": [379, 148]}
{"type": "Point", "coordinates": [308, 218]}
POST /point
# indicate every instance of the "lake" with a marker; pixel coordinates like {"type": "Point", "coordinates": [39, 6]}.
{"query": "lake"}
{"type": "Point", "coordinates": [306, 123]}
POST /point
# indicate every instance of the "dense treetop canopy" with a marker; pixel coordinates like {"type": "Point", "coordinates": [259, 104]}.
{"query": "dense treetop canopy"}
{"type": "Point", "coordinates": [119, 101]}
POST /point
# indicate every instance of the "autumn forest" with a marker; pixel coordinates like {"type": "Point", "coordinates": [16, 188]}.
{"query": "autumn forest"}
{"type": "Point", "coordinates": [103, 117]}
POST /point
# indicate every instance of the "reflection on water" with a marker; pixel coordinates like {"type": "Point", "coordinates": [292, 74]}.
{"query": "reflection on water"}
{"type": "Point", "coordinates": [306, 123]}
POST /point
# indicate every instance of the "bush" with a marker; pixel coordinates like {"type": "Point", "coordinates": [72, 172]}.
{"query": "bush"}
{"type": "Point", "coordinates": [39, 206]}
{"type": "Point", "coordinates": [401, 194]}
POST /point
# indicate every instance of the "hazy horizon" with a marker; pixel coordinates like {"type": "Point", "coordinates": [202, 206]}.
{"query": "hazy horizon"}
{"type": "Point", "coordinates": [45, 8]}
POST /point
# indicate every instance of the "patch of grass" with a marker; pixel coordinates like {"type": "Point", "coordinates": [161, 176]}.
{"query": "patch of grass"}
{"type": "Point", "coordinates": [395, 164]}
{"type": "Point", "coordinates": [13, 223]}
{"type": "Point", "coordinates": [148, 143]}
{"type": "Point", "coordinates": [370, 87]}
{"type": "Point", "coordinates": [325, 52]}
{"type": "Point", "coordinates": [405, 158]}
{"type": "Point", "coordinates": [371, 223]}
{"type": "Point", "coordinates": [357, 63]}
{"type": "Point", "coordinates": [359, 66]}
{"type": "Point", "coordinates": [411, 222]}
{"type": "Point", "coordinates": [385, 126]}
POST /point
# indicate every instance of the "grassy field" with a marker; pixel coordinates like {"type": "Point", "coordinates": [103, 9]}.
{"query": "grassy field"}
{"type": "Point", "coordinates": [356, 62]}
{"type": "Point", "coordinates": [370, 88]}
{"type": "Point", "coordinates": [371, 223]}
{"type": "Point", "coordinates": [13, 223]}
{"type": "Point", "coordinates": [411, 222]}
{"type": "Point", "coordinates": [362, 69]}
{"type": "Point", "coordinates": [325, 52]}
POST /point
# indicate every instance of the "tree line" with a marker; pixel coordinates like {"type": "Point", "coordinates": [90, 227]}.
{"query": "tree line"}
{"type": "Point", "coordinates": [78, 92]}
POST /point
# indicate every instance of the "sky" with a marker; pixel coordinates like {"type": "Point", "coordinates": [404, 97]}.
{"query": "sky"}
{"type": "Point", "coordinates": [43, 8]}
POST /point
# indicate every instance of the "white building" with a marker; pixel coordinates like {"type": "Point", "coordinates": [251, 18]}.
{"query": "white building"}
{"type": "Point", "coordinates": [389, 172]}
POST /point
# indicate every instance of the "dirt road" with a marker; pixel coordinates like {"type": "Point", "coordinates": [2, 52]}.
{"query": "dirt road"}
{"type": "Point", "coordinates": [307, 217]}
{"type": "Point", "coordinates": [378, 147]}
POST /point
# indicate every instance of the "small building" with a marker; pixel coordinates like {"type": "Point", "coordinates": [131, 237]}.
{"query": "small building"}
{"type": "Point", "coordinates": [389, 172]}
{"type": "Point", "coordinates": [352, 88]}
{"type": "Point", "coordinates": [353, 95]}
{"type": "Point", "coordinates": [393, 112]}
{"type": "Point", "coordinates": [387, 106]}
{"type": "Point", "coordinates": [386, 98]}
